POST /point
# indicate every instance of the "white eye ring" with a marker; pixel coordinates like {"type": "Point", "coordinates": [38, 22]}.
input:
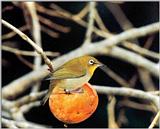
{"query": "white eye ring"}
{"type": "Point", "coordinates": [91, 62]}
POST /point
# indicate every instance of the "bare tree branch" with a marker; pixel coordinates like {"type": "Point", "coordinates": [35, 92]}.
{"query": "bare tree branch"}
{"type": "Point", "coordinates": [116, 77]}
{"type": "Point", "coordinates": [155, 92]}
{"type": "Point", "coordinates": [20, 124]}
{"type": "Point", "coordinates": [146, 80]}
{"type": "Point", "coordinates": [53, 25]}
{"type": "Point", "coordinates": [138, 106]}
{"type": "Point", "coordinates": [111, 113]}
{"type": "Point", "coordinates": [92, 49]}
{"type": "Point", "coordinates": [100, 23]}
{"type": "Point", "coordinates": [82, 13]}
{"type": "Point", "coordinates": [13, 109]}
{"type": "Point", "coordinates": [104, 32]}
{"type": "Point", "coordinates": [88, 36]}
{"type": "Point", "coordinates": [24, 61]}
{"type": "Point", "coordinates": [141, 50]}
{"type": "Point", "coordinates": [36, 32]}
{"type": "Point", "coordinates": [128, 92]}
{"type": "Point", "coordinates": [26, 38]}
{"type": "Point", "coordinates": [107, 90]}
{"type": "Point", "coordinates": [135, 59]}
{"type": "Point", "coordinates": [119, 15]}
{"type": "Point", "coordinates": [50, 12]}
{"type": "Point", "coordinates": [51, 33]}
{"type": "Point", "coordinates": [12, 33]}
{"type": "Point", "coordinates": [131, 34]}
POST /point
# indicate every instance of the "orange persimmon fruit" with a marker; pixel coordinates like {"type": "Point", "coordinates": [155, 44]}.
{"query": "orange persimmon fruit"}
{"type": "Point", "coordinates": [75, 107]}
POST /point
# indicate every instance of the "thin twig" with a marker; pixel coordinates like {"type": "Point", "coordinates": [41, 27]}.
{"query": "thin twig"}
{"type": "Point", "coordinates": [111, 113]}
{"type": "Point", "coordinates": [36, 32]}
{"type": "Point", "coordinates": [51, 33]}
{"type": "Point", "coordinates": [149, 42]}
{"type": "Point", "coordinates": [145, 76]}
{"type": "Point", "coordinates": [36, 47]}
{"type": "Point", "coordinates": [134, 78]}
{"type": "Point", "coordinates": [24, 61]}
{"type": "Point", "coordinates": [53, 25]}
{"type": "Point", "coordinates": [90, 27]}
{"type": "Point", "coordinates": [67, 15]}
{"type": "Point", "coordinates": [119, 15]}
{"type": "Point", "coordinates": [12, 33]}
{"type": "Point", "coordinates": [116, 77]}
{"type": "Point", "coordinates": [49, 12]}
{"type": "Point", "coordinates": [25, 27]}
{"type": "Point", "coordinates": [100, 22]}
{"type": "Point", "coordinates": [141, 50]}
{"type": "Point", "coordinates": [27, 53]}
{"type": "Point", "coordinates": [122, 119]}
{"type": "Point", "coordinates": [82, 13]}
{"type": "Point", "coordinates": [27, 15]}
{"type": "Point", "coordinates": [146, 80]}
{"type": "Point", "coordinates": [58, 8]}
{"type": "Point", "coordinates": [138, 106]}
{"type": "Point", "coordinates": [155, 120]}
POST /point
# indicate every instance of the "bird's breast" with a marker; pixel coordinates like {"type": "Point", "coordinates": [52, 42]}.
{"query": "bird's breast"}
{"type": "Point", "coordinates": [74, 83]}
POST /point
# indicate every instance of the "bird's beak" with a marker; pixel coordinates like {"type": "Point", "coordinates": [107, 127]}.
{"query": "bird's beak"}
{"type": "Point", "coordinates": [103, 67]}
{"type": "Point", "coordinates": [100, 64]}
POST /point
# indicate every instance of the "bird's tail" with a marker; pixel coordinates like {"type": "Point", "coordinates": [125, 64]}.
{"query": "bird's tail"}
{"type": "Point", "coordinates": [44, 100]}
{"type": "Point", "coordinates": [51, 86]}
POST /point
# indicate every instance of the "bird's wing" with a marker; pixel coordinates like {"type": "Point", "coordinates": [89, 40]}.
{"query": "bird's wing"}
{"type": "Point", "coordinates": [71, 71]}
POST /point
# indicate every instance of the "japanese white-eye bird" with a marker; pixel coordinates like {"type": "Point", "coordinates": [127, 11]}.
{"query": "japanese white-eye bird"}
{"type": "Point", "coordinates": [73, 74]}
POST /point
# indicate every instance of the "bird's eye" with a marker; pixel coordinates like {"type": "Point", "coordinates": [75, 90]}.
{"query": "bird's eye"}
{"type": "Point", "coordinates": [91, 62]}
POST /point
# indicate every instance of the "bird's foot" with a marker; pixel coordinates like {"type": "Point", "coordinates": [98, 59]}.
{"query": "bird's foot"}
{"type": "Point", "coordinates": [67, 91]}
{"type": "Point", "coordinates": [78, 90]}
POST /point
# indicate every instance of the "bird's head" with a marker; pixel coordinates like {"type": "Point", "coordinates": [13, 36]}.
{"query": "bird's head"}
{"type": "Point", "coordinates": [90, 63]}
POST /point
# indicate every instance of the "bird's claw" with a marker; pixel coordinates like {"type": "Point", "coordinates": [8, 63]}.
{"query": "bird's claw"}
{"type": "Point", "coordinates": [78, 90]}
{"type": "Point", "coordinates": [67, 91]}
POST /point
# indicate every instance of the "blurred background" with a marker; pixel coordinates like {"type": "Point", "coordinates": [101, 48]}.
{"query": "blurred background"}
{"type": "Point", "coordinates": [61, 35]}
